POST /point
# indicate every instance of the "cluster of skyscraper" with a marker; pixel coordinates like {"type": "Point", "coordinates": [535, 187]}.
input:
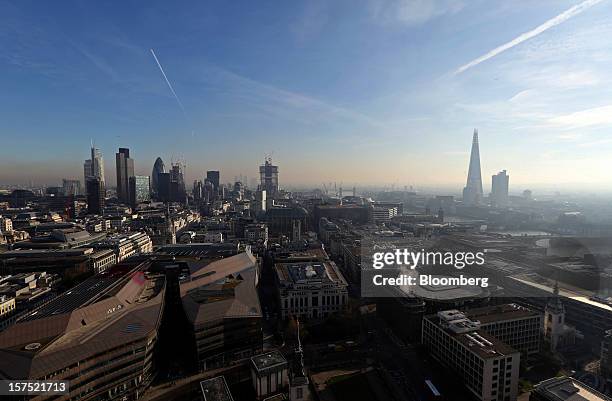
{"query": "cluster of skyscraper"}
{"type": "Point", "coordinates": [168, 186]}
{"type": "Point", "coordinates": [131, 189]}
{"type": "Point", "coordinates": [163, 185]}
{"type": "Point", "coordinates": [472, 193]}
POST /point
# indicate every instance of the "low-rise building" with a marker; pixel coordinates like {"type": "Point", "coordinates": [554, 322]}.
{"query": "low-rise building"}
{"type": "Point", "coordinates": [256, 232]}
{"type": "Point", "coordinates": [126, 245]}
{"type": "Point", "coordinates": [6, 225]}
{"type": "Point", "coordinates": [103, 259]}
{"type": "Point", "coordinates": [63, 238]}
{"type": "Point", "coordinates": [66, 262]}
{"type": "Point", "coordinates": [565, 389]}
{"type": "Point", "coordinates": [7, 305]}
{"type": "Point", "coordinates": [310, 289]}
{"type": "Point", "coordinates": [7, 311]}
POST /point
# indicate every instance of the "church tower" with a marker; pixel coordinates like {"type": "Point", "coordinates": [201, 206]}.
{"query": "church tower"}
{"type": "Point", "coordinates": [554, 320]}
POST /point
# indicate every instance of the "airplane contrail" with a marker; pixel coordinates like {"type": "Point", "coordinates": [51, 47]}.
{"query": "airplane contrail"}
{"type": "Point", "coordinates": [168, 82]}
{"type": "Point", "coordinates": [564, 16]}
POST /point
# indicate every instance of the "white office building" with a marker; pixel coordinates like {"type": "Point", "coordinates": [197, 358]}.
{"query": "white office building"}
{"type": "Point", "coordinates": [488, 367]}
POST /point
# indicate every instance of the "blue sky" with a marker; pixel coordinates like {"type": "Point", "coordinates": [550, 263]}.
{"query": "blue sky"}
{"type": "Point", "coordinates": [353, 91]}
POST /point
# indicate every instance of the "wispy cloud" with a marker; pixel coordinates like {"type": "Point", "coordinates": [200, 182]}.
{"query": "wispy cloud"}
{"type": "Point", "coordinates": [413, 12]}
{"type": "Point", "coordinates": [564, 16]}
{"type": "Point", "coordinates": [596, 116]}
{"type": "Point", "coordinates": [283, 103]}
{"type": "Point", "coordinates": [168, 82]}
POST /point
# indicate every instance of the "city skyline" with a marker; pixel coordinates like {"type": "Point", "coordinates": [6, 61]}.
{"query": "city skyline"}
{"type": "Point", "coordinates": [347, 200]}
{"type": "Point", "coordinates": [382, 94]}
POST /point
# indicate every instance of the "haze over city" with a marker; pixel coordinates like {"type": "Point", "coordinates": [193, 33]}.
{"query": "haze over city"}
{"type": "Point", "coordinates": [387, 92]}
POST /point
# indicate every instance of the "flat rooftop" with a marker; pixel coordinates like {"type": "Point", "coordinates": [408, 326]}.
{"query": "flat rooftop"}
{"type": "Point", "coordinates": [36, 253]}
{"type": "Point", "coordinates": [199, 249]}
{"type": "Point", "coordinates": [568, 389]}
{"type": "Point", "coordinates": [267, 360]}
{"type": "Point", "coordinates": [303, 272]}
{"type": "Point", "coordinates": [468, 333]}
{"type": "Point", "coordinates": [78, 296]}
{"type": "Point", "coordinates": [500, 313]}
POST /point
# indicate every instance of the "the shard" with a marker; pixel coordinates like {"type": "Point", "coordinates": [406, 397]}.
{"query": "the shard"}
{"type": "Point", "coordinates": [472, 193]}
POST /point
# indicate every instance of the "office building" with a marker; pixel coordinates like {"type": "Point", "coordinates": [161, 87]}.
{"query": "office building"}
{"type": "Point", "coordinates": [487, 367]}
{"type": "Point", "coordinates": [280, 220]}
{"type": "Point", "coordinates": [126, 245]}
{"type": "Point", "coordinates": [517, 326]}
{"type": "Point", "coordinates": [96, 195]}
{"type": "Point", "coordinates": [177, 184]}
{"type": "Point", "coordinates": [382, 214]}
{"type": "Point", "coordinates": [87, 170]}
{"type": "Point", "coordinates": [259, 203]}
{"type": "Point", "coordinates": [472, 193]}
{"type": "Point", "coordinates": [358, 214]}
{"type": "Point", "coordinates": [102, 260]}
{"type": "Point", "coordinates": [222, 306]}
{"type": "Point", "coordinates": [59, 236]}
{"type": "Point", "coordinates": [565, 389]}
{"type": "Point", "coordinates": [213, 177]}
{"type": "Point", "coordinates": [268, 175]}
{"type": "Point", "coordinates": [198, 190]}
{"type": "Point", "coordinates": [208, 191]}
{"type": "Point", "coordinates": [94, 167]}
{"type": "Point", "coordinates": [310, 289]}
{"type": "Point", "coordinates": [158, 168]}
{"type": "Point", "coordinates": [100, 338]}
{"type": "Point", "coordinates": [71, 187]}
{"type": "Point", "coordinates": [163, 187]}
{"type": "Point", "coordinates": [125, 170]}
{"type": "Point", "coordinates": [70, 262]}
{"type": "Point", "coordinates": [140, 189]}
{"type": "Point", "coordinates": [499, 189]}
